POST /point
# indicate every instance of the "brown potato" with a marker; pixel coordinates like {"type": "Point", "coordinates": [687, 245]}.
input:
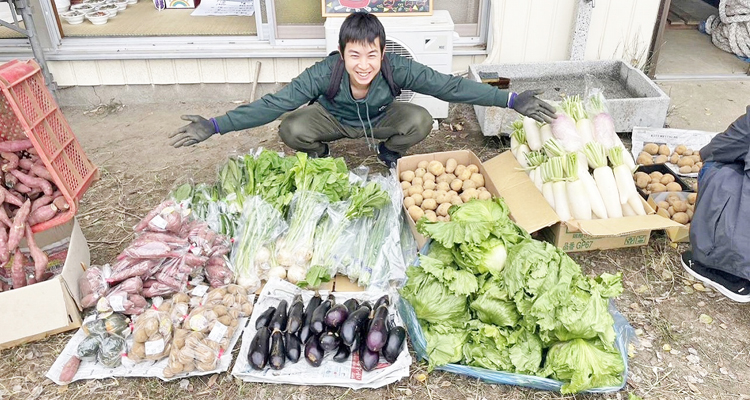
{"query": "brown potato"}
{"type": "Point", "coordinates": [680, 149]}
{"type": "Point", "coordinates": [662, 204]}
{"type": "Point", "coordinates": [664, 150]}
{"type": "Point", "coordinates": [689, 213]}
{"type": "Point", "coordinates": [695, 169]}
{"type": "Point", "coordinates": [644, 159]}
{"type": "Point", "coordinates": [687, 152]}
{"type": "Point", "coordinates": [671, 211]}
{"type": "Point", "coordinates": [642, 179]}
{"type": "Point", "coordinates": [671, 198]}
{"type": "Point", "coordinates": [660, 159]}
{"type": "Point", "coordinates": [656, 176]}
{"type": "Point", "coordinates": [686, 161]}
{"type": "Point", "coordinates": [663, 212]}
{"type": "Point", "coordinates": [696, 157]}
{"type": "Point", "coordinates": [657, 187]}
{"type": "Point", "coordinates": [686, 169]}
{"type": "Point", "coordinates": [651, 148]}
{"type": "Point", "coordinates": [679, 206]}
{"type": "Point", "coordinates": [674, 158]}
{"type": "Point", "coordinates": [674, 187]}
{"type": "Point", "coordinates": [692, 197]}
{"type": "Point", "coordinates": [666, 179]}
{"type": "Point", "coordinates": [681, 218]}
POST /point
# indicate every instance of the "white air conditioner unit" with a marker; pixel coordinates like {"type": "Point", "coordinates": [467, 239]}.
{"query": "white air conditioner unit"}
{"type": "Point", "coordinates": [427, 39]}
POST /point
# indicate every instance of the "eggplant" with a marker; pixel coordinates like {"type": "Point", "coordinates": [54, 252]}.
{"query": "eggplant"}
{"type": "Point", "coordinates": [258, 355]}
{"type": "Point", "coordinates": [279, 317]}
{"type": "Point", "coordinates": [368, 359]}
{"type": "Point", "coordinates": [313, 352]}
{"type": "Point", "coordinates": [329, 341]}
{"type": "Point", "coordinates": [383, 300]}
{"type": "Point", "coordinates": [336, 315]}
{"type": "Point", "coordinates": [265, 318]}
{"type": "Point", "coordinates": [351, 305]}
{"type": "Point", "coordinates": [342, 354]}
{"type": "Point", "coordinates": [393, 345]}
{"type": "Point", "coordinates": [296, 314]}
{"type": "Point", "coordinates": [278, 352]}
{"type": "Point", "coordinates": [317, 323]}
{"type": "Point", "coordinates": [304, 332]}
{"type": "Point", "coordinates": [292, 346]}
{"type": "Point", "coordinates": [350, 329]}
{"type": "Point", "coordinates": [377, 334]}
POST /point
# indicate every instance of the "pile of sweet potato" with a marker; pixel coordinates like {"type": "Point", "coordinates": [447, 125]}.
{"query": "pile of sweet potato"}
{"type": "Point", "coordinates": [28, 196]}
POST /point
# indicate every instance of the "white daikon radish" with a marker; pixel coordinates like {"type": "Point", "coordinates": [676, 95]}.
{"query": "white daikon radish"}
{"type": "Point", "coordinates": [604, 178]}
{"type": "Point", "coordinates": [578, 199]}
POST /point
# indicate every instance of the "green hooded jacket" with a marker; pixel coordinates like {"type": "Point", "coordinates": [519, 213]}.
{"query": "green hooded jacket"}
{"type": "Point", "coordinates": [313, 82]}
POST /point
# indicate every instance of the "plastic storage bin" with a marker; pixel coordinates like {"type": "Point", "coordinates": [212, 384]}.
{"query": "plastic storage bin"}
{"type": "Point", "coordinates": [28, 110]}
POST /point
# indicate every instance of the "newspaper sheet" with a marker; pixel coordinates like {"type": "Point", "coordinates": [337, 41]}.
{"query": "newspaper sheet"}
{"type": "Point", "coordinates": [243, 8]}
{"type": "Point", "coordinates": [330, 373]}
{"type": "Point", "coordinates": [694, 140]}
{"type": "Point", "coordinates": [149, 369]}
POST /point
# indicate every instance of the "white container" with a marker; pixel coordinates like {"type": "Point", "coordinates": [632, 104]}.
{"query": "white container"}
{"type": "Point", "coordinates": [111, 9]}
{"type": "Point", "coordinates": [121, 4]}
{"type": "Point", "coordinates": [72, 17]}
{"type": "Point", "coordinates": [98, 17]}
{"type": "Point", "coordinates": [62, 6]}
{"type": "Point", "coordinates": [84, 8]}
{"type": "Point", "coordinates": [132, 2]}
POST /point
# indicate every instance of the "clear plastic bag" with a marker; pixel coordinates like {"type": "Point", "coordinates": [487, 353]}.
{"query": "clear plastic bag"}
{"type": "Point", "coordinates": [261, 225]}
{"type": "Point", "coordinates": [332, 238]}
{"type": "Point", "coordinates": [92, 286]}
{"type": "Point", "coordinates": [88, 348]}
{"type": "Point", "coordinates": [152, 336]}
{"type": "Point", "coordinates": [111, 350]}
{"type": "Point", "coordinates": [295, 249]}
{"type": "Point", "coordinates": [192, 351]}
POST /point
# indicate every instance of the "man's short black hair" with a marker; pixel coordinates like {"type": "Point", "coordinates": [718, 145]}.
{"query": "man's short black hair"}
{"type": "Point", "coordinates": [361, 27]}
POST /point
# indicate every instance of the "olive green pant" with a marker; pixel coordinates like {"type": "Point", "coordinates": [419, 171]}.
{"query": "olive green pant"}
{"type": "Point", "coordinates": [308, 128]}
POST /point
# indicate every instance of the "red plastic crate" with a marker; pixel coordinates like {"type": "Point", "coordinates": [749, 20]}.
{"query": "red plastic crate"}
{"type": "Point", "coordinates": [28, 110]}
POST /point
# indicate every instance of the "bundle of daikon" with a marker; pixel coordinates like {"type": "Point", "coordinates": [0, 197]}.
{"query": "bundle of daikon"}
{"type": "Point", "coordinates": [558, 158]}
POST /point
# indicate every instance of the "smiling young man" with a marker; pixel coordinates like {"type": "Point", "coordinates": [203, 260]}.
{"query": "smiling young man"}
{"type": "Point", "coordinates": [351, 94]}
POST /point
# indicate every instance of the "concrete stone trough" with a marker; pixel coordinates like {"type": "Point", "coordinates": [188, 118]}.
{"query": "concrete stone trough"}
{"type": "Point", "coordinates": [632, 98]}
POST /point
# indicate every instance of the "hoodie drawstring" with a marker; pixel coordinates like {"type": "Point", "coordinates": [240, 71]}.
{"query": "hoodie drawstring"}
{"type": "Point", "coordinates": [370, 143]}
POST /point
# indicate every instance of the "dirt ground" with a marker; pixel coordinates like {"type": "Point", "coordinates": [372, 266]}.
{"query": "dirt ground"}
{"type": "Point", "coordinates": [692, 342]}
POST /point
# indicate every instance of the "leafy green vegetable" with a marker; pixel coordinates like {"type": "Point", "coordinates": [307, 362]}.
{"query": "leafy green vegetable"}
{"type": "Point", "coordinates": [471, 223]}
{"type": "Point", "coordinates": [487, 256]}
{"type": "Point", "coordinates": [458, 281]}
{"type": "Point", "coordinates": [432, 301]}
{"type": "Point", "coordinates": [444, 344]}
{"type": "Point", "coordinates": [494, 307]}
{"type": "Point", "coordinates": [584, 364]}
{"type": "Point", "coordinates": [526, 352]}
{"type": "Point", "coordinates": [316, 276]}
{"type": "Point", "coordinates": [488, 348]}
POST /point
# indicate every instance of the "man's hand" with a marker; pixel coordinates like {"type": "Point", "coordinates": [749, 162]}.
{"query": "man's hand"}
{"type": "Point", "coordinates": [198, 130]}
{"type": "Point", "coordinates": [526, 103]}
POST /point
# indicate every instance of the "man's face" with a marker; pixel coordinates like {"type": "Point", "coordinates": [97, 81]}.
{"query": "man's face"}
{"type": "Point", "coordinates": [362, 62]}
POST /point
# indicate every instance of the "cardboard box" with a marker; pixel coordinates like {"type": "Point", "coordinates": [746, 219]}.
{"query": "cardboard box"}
{"type": "Point", "coordinates": [464, 157]}
{"type": "Point", "coordinates": [676, 234]}
{"type": "Point", "coordinates": [46, 308]}
{"type": "Point", "coordinates": [504, 177]}
{"type": "Point", "coordinates": [531, 211]}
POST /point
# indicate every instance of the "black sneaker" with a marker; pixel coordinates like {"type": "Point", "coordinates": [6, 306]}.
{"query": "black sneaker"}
{"type": "Point", "coordinates": [731, 286]}
{"type": "Point", "coordinates": [326, 153]}
{"type": "Point", "coordinates": [387, 157]}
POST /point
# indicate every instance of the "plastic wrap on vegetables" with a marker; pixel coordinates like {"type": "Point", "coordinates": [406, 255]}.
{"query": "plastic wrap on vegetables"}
{"type": "Point", "coordinates": [132, 285]}
{"type": "Point", "coordinates": [218, 272]}
{"type": "Point", "coordinates": [111, 350]}
{"type": "Point", "coordinates": [118, 324]}
{"type": "Point", "coordinates": [232, 296]}
{"type": "Point", "coordinates": [152, 336]}
{"type": "Point", "coordinates": [294, 250]}
{"type": "Point", "coordinates": [261, 225]}
{"type": "Point", "coordinates": [192, 351]}
{"type": "Point", "coordinates": [128, 267]}
{"type": "Point", "coordinates": [88, 348]}
{"type": "Point", "coordinates": [92, 286]}
{"type": "Point", "coordinates": [96, 327]}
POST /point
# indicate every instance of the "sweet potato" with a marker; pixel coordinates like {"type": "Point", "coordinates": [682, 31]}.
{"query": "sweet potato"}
{"type": "Point", "coordinates": [40, 257]}
{"type": "Point", "coordinates": [11, 198]}
{"type": "Point", "coordinates": [18, 229]}
{"type": "Point", "coordinates": [4, 254]}
{"type": "Point", "coordinates": [15, 145]}
{"type": "Point", "coordinates": [20, 187]}
{"type": "Point", "coordinates": [33, 181]}
{"type": "Point", "coordinates": [156, 211]}
{"type": "Point", "coordinates": [16, 273]}
{"type": "Point", "coordinates": [70, 369]}
{"type": "Point", "coordinates": [42, 214]}
{"type": "Point", "coordinates": [4, 215]}
{"type": "Point", "coordinates": [12, 161]}
{"type": "Point", "coordinates": [10, 181]}
{"type": "Point", "coordinates": [41, 201]}
{"type": "Point", "coordinates": [35, 167]}
{"type": "Point", "coordinates": [4, 279]}
{"type": "Point", "coordinates": [61, 203]}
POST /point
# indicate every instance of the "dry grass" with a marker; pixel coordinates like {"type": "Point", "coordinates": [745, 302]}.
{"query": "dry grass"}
{"type": "Point", "coordinates": [657, 301]}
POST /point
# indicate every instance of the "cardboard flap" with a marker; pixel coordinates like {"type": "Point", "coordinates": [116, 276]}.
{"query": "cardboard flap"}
{"type": "Point", "coordinates": [78, 253]}
{"type": "Point", "coordinates": [622, 226]}
{"type": "Point", "coordinates": [527, 205]}
{"type": "Point", "coordinates": [41, 306]}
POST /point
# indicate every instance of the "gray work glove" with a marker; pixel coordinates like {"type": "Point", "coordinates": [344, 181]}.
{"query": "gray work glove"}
{"type": "Point", "coordinates": [198, 130]}
{"type": "Point", "coordinates": [526, 103]}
